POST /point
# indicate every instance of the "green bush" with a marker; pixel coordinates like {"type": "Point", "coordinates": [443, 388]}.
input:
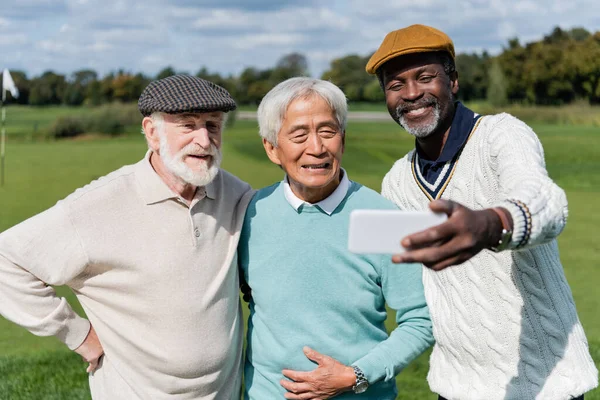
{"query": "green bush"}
{"type": "Point", "coordinates": [104, 122]}
{"type": "Point", "coordinates": [66, 127]}
{"type": "Point", "coordinates": [109, 119]}
{"type": "Point", "coordinates": [113, 119]}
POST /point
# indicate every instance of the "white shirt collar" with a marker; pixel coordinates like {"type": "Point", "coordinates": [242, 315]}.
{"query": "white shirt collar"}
{"type": "Point", "coordinates": [328, 204]}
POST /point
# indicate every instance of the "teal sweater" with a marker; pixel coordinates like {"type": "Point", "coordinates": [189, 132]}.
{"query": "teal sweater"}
{"type": "Point", "coordinates": [309, 290]}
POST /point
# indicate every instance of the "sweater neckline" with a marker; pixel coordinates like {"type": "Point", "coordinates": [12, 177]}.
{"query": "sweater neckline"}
{"type": "Point", "coordinates": [434, 190]}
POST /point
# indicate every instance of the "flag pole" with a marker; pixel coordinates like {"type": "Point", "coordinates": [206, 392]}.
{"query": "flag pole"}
{"type": "Point", "coordinates": [2, 139]}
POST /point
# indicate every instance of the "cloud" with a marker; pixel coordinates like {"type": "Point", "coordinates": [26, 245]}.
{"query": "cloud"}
{"type": "Point", "coordinates": [13, 39]}
{"type": "Point", "coordinates": [227, 36]}
{"type": "Point", "coordinates": [263, 39]}
{"type": "Point", "coordinates": [255, 5]}
{"type": "Point", "coordinates": [32, 9]}
{"type": "Point", "coordinates": [289, 20]}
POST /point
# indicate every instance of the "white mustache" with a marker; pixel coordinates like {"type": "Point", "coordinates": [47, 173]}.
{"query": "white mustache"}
{"type": "Point", "coordinates": [192, 150]}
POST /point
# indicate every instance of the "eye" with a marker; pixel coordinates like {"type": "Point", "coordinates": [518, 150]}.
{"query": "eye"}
{"type": "Point", "coordinates": [299, 138]}
{"type": "Point", "coordinates": [187, 125]}
{"type": "Point", "coordinates": [396, 86]}
{"type": "Point", "coordinates": [327, 133]}
{"type": "Point", "coordinates": [213, 126]}
{"type": "Point", "coordinates": [426, 78]}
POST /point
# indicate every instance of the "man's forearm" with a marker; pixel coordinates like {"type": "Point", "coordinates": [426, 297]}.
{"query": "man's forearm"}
{"type": "Point", "coordinates": [30, 303]}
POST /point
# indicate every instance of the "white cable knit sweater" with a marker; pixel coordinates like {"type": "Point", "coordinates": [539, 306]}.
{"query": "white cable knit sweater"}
{"type": "Point", "coordinates": [505, 323]}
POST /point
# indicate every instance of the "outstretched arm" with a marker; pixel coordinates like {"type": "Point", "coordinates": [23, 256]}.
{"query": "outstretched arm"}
{"type": "Point", "coordinates": [534, 207]}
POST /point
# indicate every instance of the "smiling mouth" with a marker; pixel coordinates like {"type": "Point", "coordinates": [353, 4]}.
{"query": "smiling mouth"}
{"type": "Point", "coordinates": [417, 112]}
{"type": "Point", "coordinates": [317, 166]}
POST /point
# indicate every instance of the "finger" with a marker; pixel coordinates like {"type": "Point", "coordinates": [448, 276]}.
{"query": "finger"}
{"type": "Point", "coordinates": [430, 255]}
{"type": "Point", "coordinates": [296, 387]}
{"type": "Point", "coordinates": [443, 206]}
{"type": "Point", "coordinates": [429, 237]}
{"type": "Point", "coordinates": [464, 253]}
{"type": "Point", "coordinates": [314, 355]}
{"type": "Point", "coordinates": [91, 367]}
{"type": "Point", "coordinates": [449, 262]}
{"type": "Point", "coordinates": [297, 376]}
{"type": "Point", "coordinates": [302, 396]}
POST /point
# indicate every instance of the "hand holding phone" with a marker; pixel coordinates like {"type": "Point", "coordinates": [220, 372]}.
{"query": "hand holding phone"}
{"type": "Point", "coordinates": [380, 231]}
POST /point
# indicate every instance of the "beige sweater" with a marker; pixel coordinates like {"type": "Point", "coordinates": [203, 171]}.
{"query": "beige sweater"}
{"type": "Point", "coordinates": [156, 278]}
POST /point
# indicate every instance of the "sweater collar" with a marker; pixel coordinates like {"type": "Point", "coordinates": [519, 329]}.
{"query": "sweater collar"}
{"type": "Point", "coordinates": [462, 125]}
{"type": "Point", "coordinates": [328, 204]}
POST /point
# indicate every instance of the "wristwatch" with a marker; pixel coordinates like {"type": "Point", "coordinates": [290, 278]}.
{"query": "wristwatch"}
{"type": "Point", "coordinates": [506, 235]}
{"type": "Point", "coordinates": [361, 382]}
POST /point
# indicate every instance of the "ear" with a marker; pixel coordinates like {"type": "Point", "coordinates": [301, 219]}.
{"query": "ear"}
{"type": "Point", "coordinates": [271, 152]}
{"type": "Point", "coordinates": [454, 82]}
{"type": "Point", "coordinates": [151, 133]}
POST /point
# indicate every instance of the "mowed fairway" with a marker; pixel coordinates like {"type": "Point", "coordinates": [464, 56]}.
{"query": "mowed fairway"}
{"type": "Point", "coordinates": [39, 174]}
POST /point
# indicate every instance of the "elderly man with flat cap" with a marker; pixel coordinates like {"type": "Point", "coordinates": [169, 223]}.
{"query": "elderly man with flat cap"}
{"type": "Point", "coordinates": [503, 315]}
{"type": "Point", "coordinates": [150, 252]}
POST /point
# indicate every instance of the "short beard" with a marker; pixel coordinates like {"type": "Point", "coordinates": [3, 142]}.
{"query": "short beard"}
{"type": "Point", "coordinates": [178, 167]}
{"type": "Point", "coordinates": [420, 131]}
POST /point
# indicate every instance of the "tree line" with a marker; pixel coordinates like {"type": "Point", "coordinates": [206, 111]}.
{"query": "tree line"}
{"type": "Point", "coordinates": [562, 67]}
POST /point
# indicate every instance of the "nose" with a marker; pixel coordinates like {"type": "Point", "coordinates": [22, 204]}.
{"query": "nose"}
{"type": "Point", "coordinates": [412, 91]}
{"type": "Point", "coordinates": [315, 144]}
{"type": "Point", "coordinates": [201, 138]}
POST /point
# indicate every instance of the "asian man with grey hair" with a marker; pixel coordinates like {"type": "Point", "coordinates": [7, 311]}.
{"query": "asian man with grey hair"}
{"type": "Point", "coordinates": [314, 303]}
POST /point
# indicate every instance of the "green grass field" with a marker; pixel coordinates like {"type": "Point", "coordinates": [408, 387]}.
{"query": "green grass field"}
{"type": "Point", "coordinates": [40, 173]}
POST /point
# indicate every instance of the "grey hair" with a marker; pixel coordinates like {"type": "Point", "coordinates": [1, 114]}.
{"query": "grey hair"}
{"type": "Point", "coordinates": [274, 105]}
{"type": "Point", "coordinates": [158, 120]}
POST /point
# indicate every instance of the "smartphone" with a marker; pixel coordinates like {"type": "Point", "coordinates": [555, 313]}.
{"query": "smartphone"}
{"type": "Point", "coordinates": [380, 231]}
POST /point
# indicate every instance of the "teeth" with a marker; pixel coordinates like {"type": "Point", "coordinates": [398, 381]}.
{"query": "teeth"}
{"type": "Point", "coordinates": [316, 166]}
{"type": "Point", "coordinates": [417, 111]}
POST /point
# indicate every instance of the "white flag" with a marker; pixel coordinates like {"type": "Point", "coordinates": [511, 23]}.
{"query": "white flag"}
{"type": "Point", "coordinates": [9, 84]}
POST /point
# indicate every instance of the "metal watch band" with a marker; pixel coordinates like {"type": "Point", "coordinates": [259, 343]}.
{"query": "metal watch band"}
{"type": "Point", "coordinates": [361, 381]}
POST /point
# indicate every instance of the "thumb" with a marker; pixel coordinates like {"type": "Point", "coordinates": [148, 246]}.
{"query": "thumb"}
{"type": "Point", "coordinates": [443, 206]}
{"type": "Point", "coordinates": [313, 355]}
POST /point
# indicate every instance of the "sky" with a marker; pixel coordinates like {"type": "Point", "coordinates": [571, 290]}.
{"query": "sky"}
{"type": "Point", "coordinates": [227, 36]}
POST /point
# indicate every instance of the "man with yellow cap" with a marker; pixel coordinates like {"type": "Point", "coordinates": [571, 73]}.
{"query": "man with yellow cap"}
{"type": "Point", "coordinates": [503, 315]}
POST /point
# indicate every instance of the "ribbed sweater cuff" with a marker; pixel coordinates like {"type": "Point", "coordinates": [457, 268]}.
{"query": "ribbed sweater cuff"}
{"type": "Point", "coordinates": [521, 228]}
{"type": "Point", "coordinates": [374, 369]}
{"type": "Point", "coordinates": [74, 330]}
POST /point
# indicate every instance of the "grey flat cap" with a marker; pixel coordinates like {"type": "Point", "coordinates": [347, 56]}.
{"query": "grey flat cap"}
{"type": "Point", "coordinates": [184, 93]}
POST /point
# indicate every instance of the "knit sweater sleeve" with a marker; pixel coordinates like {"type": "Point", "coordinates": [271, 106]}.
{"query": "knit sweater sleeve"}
{"type": "Point", "coordinates": [42, 251]}
{"type": "Point", "coordinates": [537, 205]}
{"type": "Point", "coordinates": [402, 287]}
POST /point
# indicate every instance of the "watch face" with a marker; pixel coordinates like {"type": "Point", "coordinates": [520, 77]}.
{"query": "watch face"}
{"type": "Point", "coordinates": [361, 387]}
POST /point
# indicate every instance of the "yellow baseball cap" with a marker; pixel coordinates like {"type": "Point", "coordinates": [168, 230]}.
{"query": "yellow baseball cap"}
{"type": "Point", "coordinates": [412, 39]}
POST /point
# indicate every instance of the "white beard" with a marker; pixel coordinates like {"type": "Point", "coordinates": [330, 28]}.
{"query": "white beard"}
{"type": "Point", "coordinates": [176, 165]}
{"type": "Point", "coordinates": [420, 131]}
